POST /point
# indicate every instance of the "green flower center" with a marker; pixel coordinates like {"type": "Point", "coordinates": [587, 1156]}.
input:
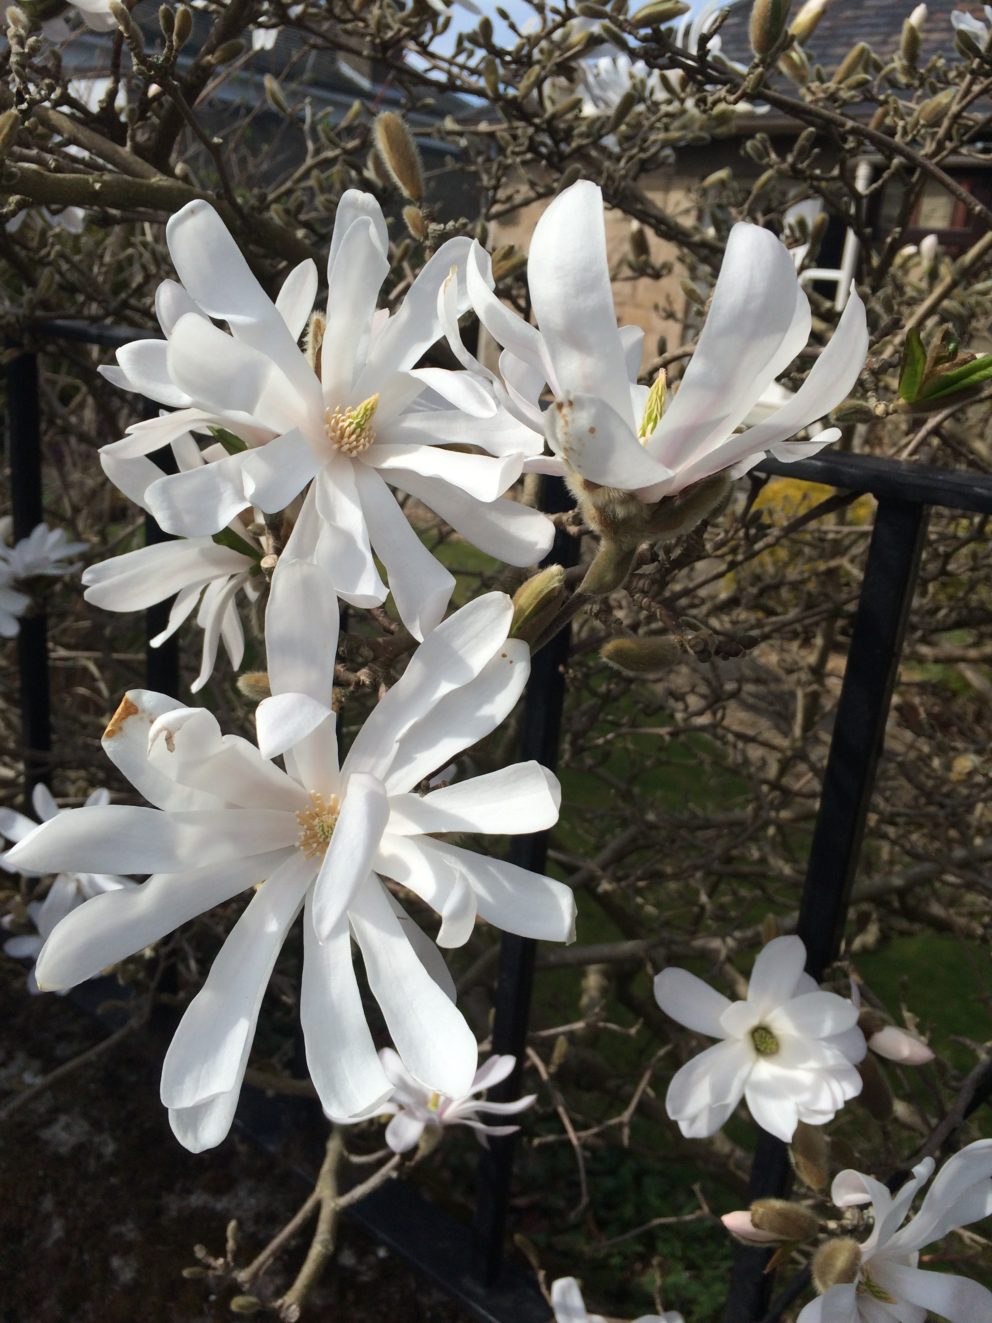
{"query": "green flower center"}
{"type": "Point", "coordinates": [317, 824]}
{"type": "Point", "coordinates": [765, 1042]}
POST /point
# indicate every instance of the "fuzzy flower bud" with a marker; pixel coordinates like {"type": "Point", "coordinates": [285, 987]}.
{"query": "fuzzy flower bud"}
{"type": "Point", "coordinates": [767, 24]}
{"type": "Point", "coordinates": [641, 656]}
{"type": "Point", "coordinates": [810, 1154]}
{"type": "Point", "coordinates": [784, 1220]}
{"type": "Point", "coordinates": [835, 1263]}
{"type": "Point", "coordinates": [804, 24]}
{"type": "Point", "coordinates": [536, 601]}
{"type": "Point", "coordinates": [741, 1226]}
{"type": "Point", "coordinates": [400, 154]}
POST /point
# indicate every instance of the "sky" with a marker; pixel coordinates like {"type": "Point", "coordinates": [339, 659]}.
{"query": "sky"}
{"type": "Point", "coordinates": [462, 19]}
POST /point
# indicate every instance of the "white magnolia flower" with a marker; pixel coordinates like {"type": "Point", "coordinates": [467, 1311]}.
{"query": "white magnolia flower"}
{"type": "Point", "coordinates": [788, 1049]}
{"type": "Point", "coordinates": [415, 1108]}
{"type": "Point", "coordinates": [68, 890]}
{"type": "Point", "coordinates": [205, 574]}
{"type": "Point", "coordinates": [569, 1307]}
{"type": "Point", "coordinates": [965, 22]}
{"type": "Point", "coordinates": [890, 1288]}
{"type": "Point", "coordinates": [616, 433]}
{"type": "Point", "coordinates": [317, 838]}
{"type": "Point", "coordinates": [343, 427]}
{"type": "Point", "coordinates": [42, 552]}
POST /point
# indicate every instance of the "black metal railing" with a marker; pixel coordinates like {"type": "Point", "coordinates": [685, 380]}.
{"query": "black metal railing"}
{"type": "Point", "coordinates": [467, 1260]}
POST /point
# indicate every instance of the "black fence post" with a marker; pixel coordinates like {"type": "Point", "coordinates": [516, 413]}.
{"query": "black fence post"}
{"type": "Point", "coordinates": [24, 453]}
{"type": "Point", "coordinates": [855, 747]}
{"type": "Point", "coordinates": [540, 735]}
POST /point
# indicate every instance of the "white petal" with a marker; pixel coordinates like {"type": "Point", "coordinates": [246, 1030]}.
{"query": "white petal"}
{"type": "Point", "coordinates": [838, 1305]}
{"type": "Point", "coordinates": [776, 971]}
{"type": "Point", "coordinates": [206, 1124]}
{"type": "Point", "coordinates": [960, 1194]}
{"type": "Point", "coordinates": [352, 206]}
{"type": "Point", "coordinates": [461, 718]}
{"type": "Point", "coordinates": [360, 265]}
{"type": "Point", "coordinates": [569, 278]}
{"type": "Point", "coordinates": [121, 839]}
{"type": "Point", "coordinates": [345, 547]}
{"type": "Point", "coordinates": [295, 299]}
{"type": "Point", "coordinates": [712, 1079]}
{"type": "Point", "coordinates": [505, 529]}
{"type": "Point", "coordinates": [758, 322]}
{"type": "Point", "coordinates": [283, 720]}
{"type": "Point", "coordinates": [301, 631]}
{"type": "Point", "coordinates": [447, 890]}
{"type": "Point", "coordinates": [144, 365]}
{"type": "Point", "coordinates": [420, 585]}
{"type": "Point", "coordinates": [817, 1014]}
{"type": "Point", "coordinates": [403, 1132]}
{"type": "Point", "coordinates": [958, 1299]}
{"type": "Point", "coordinates": [349, 857]}
{"type": "Point", "coordinates": [773, 1110]}
{"type": "Point", "coordinates": [450, 657]}
{"type": "Point", "coordinates": [692, 1002]}
{"type": "Point", "coordinates": [209, 1051]}
{"type": "Point", "coordinates": [116, 924]}
{"type": "Point", "coordinates": [567, 1302]}
{"type": "Point", "coordinates": [341, 1056]}
{"type": "Point", "coordinates": [523, 798]}
{"type": "Point", "coordinates": [482, 476]}
{"type": "Point", "coordinates": [150, 574]}
{"type": "Point", "coordinates": [596, 442]}
{"type": "Point", "coordinates": [431, 1036]}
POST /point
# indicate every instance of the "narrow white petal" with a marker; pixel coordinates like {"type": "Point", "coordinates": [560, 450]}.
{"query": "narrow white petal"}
{"type": "Point", "coordinates": [690, 1001]}
{"type": "Point", "coordinates": [776, 971]}
{"type": "Point", "coordinates": [596, 442]}
{"type": "Point", "coordinates": [349, 857]}
{"type": "Point", "coordinates": [209, 1051]}
{"type": "Point", "coordinates": [116, 924]}
{"type": "Point", "coordinates": [295, 299]}
{"type": "Point", "coordinates": [360, 267]}
{"type": "Point", "coordinates": [523, 798]}
{"type": "Point", "coordinates": [430, 1034]}
{"type": "Point", "coordinates": [957, 1299]}
{"type": "Point", "coordinates": [450, 657]}
{"type": "Point", "coordinates": [344, 539]}
{"type": "Point", "coordinates": [150, 574]}
{"type": "Point", "coordinates": [341, 1055]}
{"type": "Point", "coordinates": [301, 631]}
{"type": "Point", "coordinates": [483, 476]}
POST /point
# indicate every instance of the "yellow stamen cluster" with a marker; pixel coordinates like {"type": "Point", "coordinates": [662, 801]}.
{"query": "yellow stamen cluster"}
{"type": "Point", "coordinates": [654, 406]}
{"type": "Point", "coordinates": [765, 1042]}
{"type": "Point", "coordinates": [317, 824]}
{"type": "Point", "coordinates": [350, 430]}
{"type": "Point", "coordinates": [434, 1101]}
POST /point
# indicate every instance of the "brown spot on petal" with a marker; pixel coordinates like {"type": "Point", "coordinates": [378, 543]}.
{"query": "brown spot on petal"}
{"type": "Point", "coordinates": [126, 710]}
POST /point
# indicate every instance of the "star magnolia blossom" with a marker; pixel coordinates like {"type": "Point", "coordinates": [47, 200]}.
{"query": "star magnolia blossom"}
{"type": "Point", "coordinates": [205, 574]}
{"type": "Point", "coordinates": [569, 1307]}
{"type": "Point", "coordinates": [788, 1049]}
{"type": "Point", "coordinates": [316, 838]}
{"type": "Point", "coordinates": [42, 552]}
{"type": "Point", "coordinates": [890, 1288]}
{"type": "Point", "coordinates": [415, 1109]}
{"type": "Point", "coordinates": [68, 890]}
{"type": "Point", "coordinates": [337, 423]}
{"type": "Point", "coordinates": [615, 433]}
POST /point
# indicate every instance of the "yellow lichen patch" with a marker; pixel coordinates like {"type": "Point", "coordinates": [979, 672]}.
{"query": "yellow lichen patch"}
{"type": "Point", "coordinates": [350, 430]}
{"type": "Point", "coordinates": [317, 824]}
{"type": "Point", "coordinates": [126, 710]}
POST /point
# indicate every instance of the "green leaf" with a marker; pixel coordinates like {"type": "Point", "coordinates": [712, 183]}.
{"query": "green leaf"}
{"type": "Point", "coordinates": [914, 361]}
{"type": "Point", "coordinates": [231, 443]}
{"type": "Point", "coordinates": [963, 378]}
{"type": "Point", "coordinates": [228, 538]}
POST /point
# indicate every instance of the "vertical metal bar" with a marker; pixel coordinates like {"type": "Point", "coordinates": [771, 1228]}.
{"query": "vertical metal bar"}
{"type": "Point", "coordinates": [543, 704]}
{"type": "Point", "coordinates": [24, 442]}
{"type": "Point", "coordinates": [855, 747]}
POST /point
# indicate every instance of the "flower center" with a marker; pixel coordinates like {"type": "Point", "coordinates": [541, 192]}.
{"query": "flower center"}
{"type": "Point", "coordinates": [434, 1102]}
{"type": "Point", "coordinates": [654, 407]}
{"type": "Point", "coordinates": [317, 824]}
{"type": "Point", "coordinates": [765, 1042]}
{"type": "Point", "coordinates": [350, 430]}
{"type": "Point", "coordinates": [868, 1287]}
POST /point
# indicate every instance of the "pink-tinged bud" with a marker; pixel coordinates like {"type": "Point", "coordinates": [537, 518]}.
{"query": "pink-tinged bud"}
{"type": "Point", "coordinates": [897, 1045]}
{"type": "Point", "coordinates": [741, 1227]}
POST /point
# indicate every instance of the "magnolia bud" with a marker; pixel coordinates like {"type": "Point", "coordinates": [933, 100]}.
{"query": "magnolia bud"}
{"type": "Point", "coordinates": [810, 1154]}
{"type": "Point", "coordinates": [963, 39]}
{"type": "Point", "coordinates": [659, 12]}
{"type": "Point", "coordinates": [836, 1263]}
{"type": "Point", "coordinates": [909, 43]}
{"type": "Point", "coordinates": [896, 1044]}
{"type": "Point", "coordinates": [741, 1227]}
{"type": "Point", "coordinates": [609, 568]}
{"type": "Point", "coordinates": [228, 51]}
{"type": "Point", "coordinates": [929, 247]}
{"type": "Point", "coordinates": [676, 515]}
{"type": "Point", "coordinates": [414, 220]}
{"type": "Point", "coordinates": [640, 250]}
{"type": "Point", "coordinates": [804, 24]}
{"type": "Point", "coordinates": [245, 1304]}
{"type": "Point", "coordinates": [918, 17]}
{"type": "Point", "coordinates": [853, 411]}
{"type": "Point", "coordinates": [254, 685]}
{"type": "Point", "coordinates": [127, 25]}
{"type": "Point", "coordinates": [536, 601]}
{"type": "Point", "coordinates": [784, 1220]}
{"type": "Point", "coordinates": [767, 24]}
{"type": "Point", "coordinates": [932, 111]}
{"type": "Point", "coordinates": [9, 124]}
{"type": "Point", "coordinates": [166, 20]}
{"type": "Point", "coordinates": [875, 1096]}
{"type": "Point", "coordinates": [794, 64]}
{"type": "Point", "coordinates": [183, 26]}
{"type": "Point", "coordinates": [641, 656]}
{"type": "Point", "coordinates": [852, 63]}
{"type": "Point", "coordinates": [399, 154]}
